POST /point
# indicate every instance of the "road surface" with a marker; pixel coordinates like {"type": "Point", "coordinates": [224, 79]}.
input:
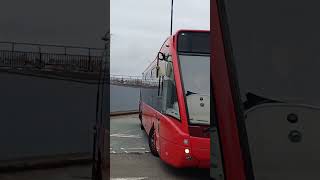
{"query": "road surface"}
{"type": "Point", "coordinates": [131, 158]}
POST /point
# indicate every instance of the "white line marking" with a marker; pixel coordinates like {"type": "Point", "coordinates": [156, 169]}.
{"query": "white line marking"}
{"type": "Point", "coordinates": [125, 136]}
{"type": "Point", "coordinates": [130, 178]}
{"type": "Point", "coordinates": [140, 152]}
{"type": "Point", "coordinates": [136, 148]}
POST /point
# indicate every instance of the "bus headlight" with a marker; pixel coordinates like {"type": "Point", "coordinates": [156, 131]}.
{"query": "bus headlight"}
{"type": "Point", "coordinates": [187, 151]}
{"type": "Point", "coordinates": [188, 156]}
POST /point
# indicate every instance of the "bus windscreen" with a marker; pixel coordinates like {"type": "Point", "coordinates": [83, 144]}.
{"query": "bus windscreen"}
{"type": "Point", "coordinates": [194, 59]}
{"type": "Point", "coordinates": [195, 72]}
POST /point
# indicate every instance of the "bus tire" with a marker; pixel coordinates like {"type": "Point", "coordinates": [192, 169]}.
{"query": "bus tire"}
{"type": "Point", "coordinates": [152, 143]}
{"type": "Point", "coordinates": [141, 125]}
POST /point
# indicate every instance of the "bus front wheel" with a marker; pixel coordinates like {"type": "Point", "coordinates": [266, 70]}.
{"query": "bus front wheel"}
{"type": "Point", "coordinates": [141, 125]}
{"type": "Point", "coordinates": [152, 142]}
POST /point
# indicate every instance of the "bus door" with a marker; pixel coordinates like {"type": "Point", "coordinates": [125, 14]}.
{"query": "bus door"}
{"type": "Point", "coordinates": [148, 92]}
{"type": "Point", "coordinates": [169, 120]}
{"type": "Point", "coordinates": [270, 66]}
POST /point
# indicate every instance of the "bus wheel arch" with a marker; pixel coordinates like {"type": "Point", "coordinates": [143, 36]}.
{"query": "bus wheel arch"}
{"type": "Point", "coordinates": [152, 142]}
{"type": "Point", "coordinates": [141, 124]}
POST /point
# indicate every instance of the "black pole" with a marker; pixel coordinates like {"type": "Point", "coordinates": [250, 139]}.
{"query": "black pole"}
{"type": "Point", "coordinates": [171, 16]}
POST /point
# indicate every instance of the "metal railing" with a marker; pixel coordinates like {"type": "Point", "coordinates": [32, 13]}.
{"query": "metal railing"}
{"type": "Point", "coordinates": [59, 59]}
{"type": "Point", "coordinates": [126, 80]}
{"type": "Point", "coordinates": [132, 81]}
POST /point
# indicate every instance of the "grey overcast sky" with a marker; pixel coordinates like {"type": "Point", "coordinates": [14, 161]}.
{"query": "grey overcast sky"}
{"type": "Point", "coordinates": [139, 27]}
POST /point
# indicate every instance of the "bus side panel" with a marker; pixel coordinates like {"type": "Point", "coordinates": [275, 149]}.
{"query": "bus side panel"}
{"type": "Point", "coordinates": [200, 149]}
{"type": "Point", "coordinates": [173, 154]}
{"type": "Point", "coordinates": [170, 129]}
{"type": "Point", "coordinates": [171, 142]}
{"type": "Point", "coordinates": [148, 116]}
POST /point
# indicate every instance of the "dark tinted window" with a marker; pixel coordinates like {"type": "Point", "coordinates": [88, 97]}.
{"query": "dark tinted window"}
{"type": "Point", "coordinates": [276, 54]}
{"type": "Point", "coordinates": [194, 42]}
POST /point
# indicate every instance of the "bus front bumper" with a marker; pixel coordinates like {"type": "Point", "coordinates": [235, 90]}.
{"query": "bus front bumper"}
{"type": "Point", "coordinates": [201, 151]}
{"type": "Point", "coordinates": [196, 155]}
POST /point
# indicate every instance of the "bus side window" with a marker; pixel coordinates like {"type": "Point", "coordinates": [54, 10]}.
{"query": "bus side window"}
{"type": "Point", "coordinates": [155, 91]}
{"type": "Point", "coordinates": [148, 89]}
{"type": "Point", "coordinates": [169, 94]}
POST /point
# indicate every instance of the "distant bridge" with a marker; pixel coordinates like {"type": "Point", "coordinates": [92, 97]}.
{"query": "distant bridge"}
{"type": "Point", "coordinates": [64, 61]}
{"type": "Point", "coordinates": [136, 81]}
{"type": "Point", "coordinates": [125, 80]}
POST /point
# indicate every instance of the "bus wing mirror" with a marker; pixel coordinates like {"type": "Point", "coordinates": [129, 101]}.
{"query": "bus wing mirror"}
{"type": "Point", "coordinates": [163, 57]}
{"type": "Point", "coordinates": [161, 69]}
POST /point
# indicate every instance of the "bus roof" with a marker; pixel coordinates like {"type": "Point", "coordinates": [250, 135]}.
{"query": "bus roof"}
{"type": "Point", "coordinates": [174, 43]}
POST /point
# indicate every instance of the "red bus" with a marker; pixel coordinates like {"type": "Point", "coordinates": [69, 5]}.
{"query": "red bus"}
{"type": "Point", "coordinates": [265, 74]}
{"type": "Point", "coordinates": [175, 100]}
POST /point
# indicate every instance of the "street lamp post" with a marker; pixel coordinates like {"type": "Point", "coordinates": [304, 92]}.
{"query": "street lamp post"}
{"type": "Point", "coordinates": [171, 17]}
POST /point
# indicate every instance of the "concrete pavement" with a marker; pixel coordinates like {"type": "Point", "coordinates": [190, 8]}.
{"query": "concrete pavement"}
{"type": "Point", "coordinates": [146, 166]}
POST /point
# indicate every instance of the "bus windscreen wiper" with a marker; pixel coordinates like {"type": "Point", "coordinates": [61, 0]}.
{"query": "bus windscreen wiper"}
{"type": "Point", "coordinates": [253, 100]}
{"type": "Point", "coordinates": [190, 93]}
